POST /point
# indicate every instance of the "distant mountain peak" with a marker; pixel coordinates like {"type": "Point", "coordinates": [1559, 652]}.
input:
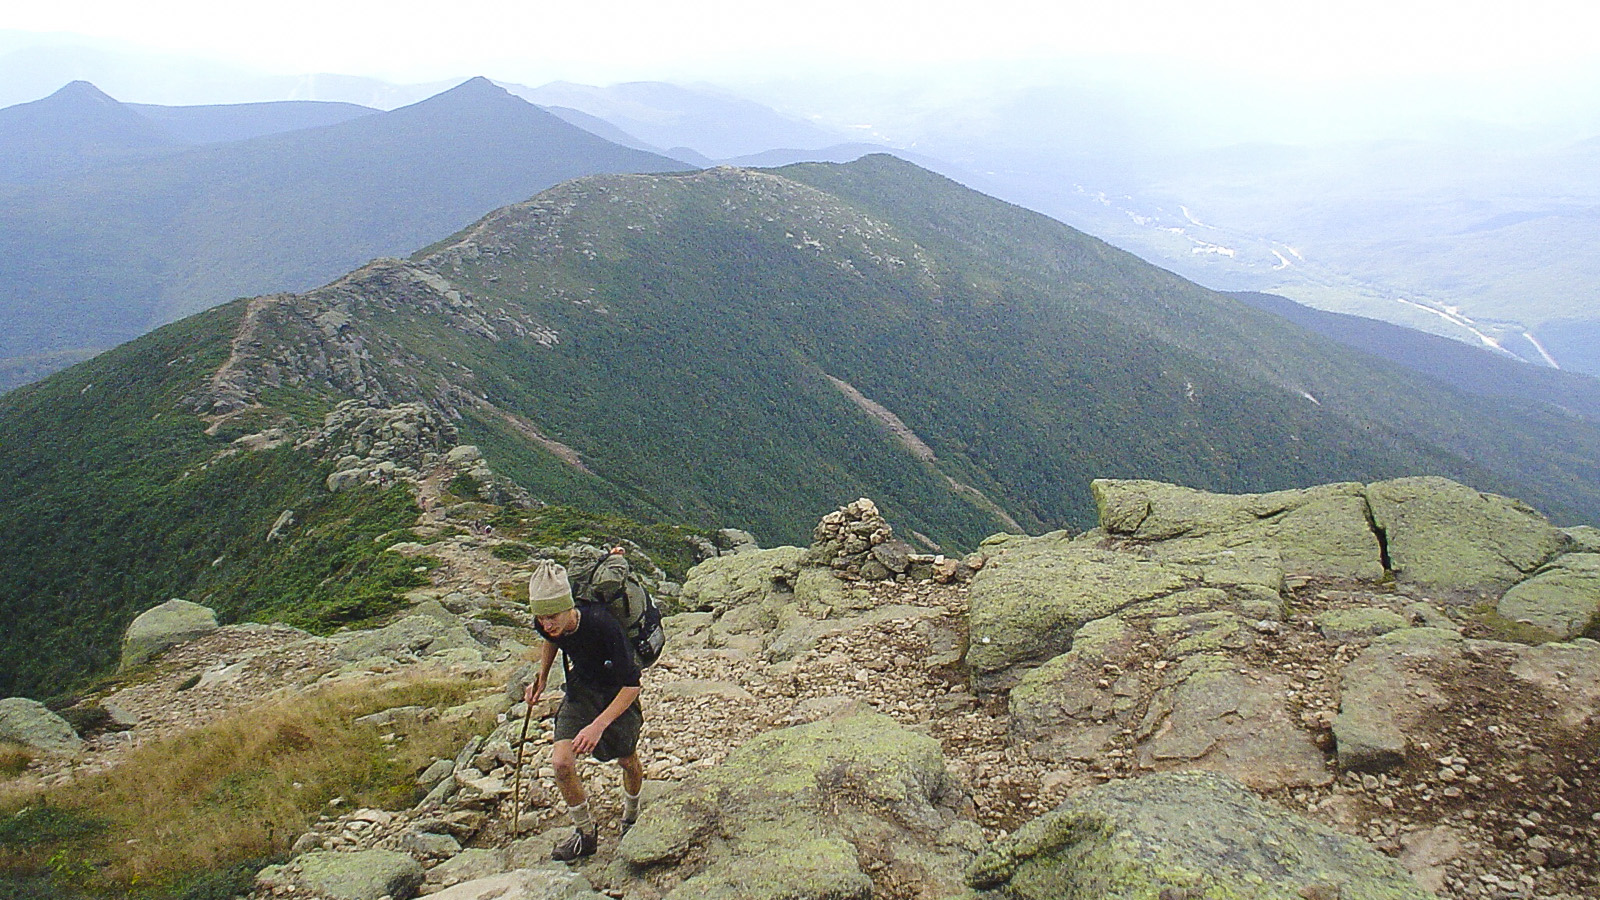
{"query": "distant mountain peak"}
{"type": "Point", "coordinates": [81, 92]}
{"type": "Point", "coordinates": [477, 86]}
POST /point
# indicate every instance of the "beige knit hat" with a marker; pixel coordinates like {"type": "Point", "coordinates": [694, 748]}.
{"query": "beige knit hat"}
{"type": "Point", "coordinates": [548, 589]}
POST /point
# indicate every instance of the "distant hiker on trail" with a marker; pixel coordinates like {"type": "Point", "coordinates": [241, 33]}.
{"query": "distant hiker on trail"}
{"type": "Point", "coordinates": [600, 713]}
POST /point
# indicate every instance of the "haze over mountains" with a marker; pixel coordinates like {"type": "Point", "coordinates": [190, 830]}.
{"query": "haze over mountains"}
{"type": "Point", "coordinates": [1479, 233]}
{"type": "Point", "coordinates": [131, 224]}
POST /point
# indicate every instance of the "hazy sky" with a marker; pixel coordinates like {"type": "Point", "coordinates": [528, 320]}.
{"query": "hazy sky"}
{"type": "Point", "coordinates": [609, 40]}
{"type": "Point", "coordinates": [1215, 71]}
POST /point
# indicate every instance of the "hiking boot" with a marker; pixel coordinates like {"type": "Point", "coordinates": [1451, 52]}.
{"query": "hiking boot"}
{"type": "Point", "coordinates": [581, 844]}
{"type": "Point", "coordinates": [626, 824]}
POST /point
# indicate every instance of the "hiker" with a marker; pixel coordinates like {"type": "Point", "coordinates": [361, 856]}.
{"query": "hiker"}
{"type": "Point", "coordinates": [600, 713]}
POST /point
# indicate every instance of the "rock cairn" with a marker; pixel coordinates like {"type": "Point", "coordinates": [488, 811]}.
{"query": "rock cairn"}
{"type": "Point", "coordinates": [858, 543]}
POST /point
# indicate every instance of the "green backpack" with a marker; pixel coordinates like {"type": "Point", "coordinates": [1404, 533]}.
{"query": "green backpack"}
{"type": "Point", "coordinates": [611, 582]}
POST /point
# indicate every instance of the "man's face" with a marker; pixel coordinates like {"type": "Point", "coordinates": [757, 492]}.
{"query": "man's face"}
{"type": "Point", "coordinates": [559, 624]}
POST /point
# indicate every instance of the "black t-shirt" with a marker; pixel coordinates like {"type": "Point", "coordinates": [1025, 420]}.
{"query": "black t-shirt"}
{"type": "Point", "coordinates": [597, 652]}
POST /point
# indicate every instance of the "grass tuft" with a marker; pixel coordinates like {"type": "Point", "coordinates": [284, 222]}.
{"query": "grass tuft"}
{"type": "Point", "coordinates": [184, 810]}
{"type": "Point", "coordinates": [14, 760]}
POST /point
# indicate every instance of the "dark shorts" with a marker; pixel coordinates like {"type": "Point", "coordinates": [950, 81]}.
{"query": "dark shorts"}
{"type": "Point", "coordinates": [581, 706]}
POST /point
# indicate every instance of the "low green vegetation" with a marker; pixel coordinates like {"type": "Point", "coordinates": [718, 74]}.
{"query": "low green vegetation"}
{"type": "Point", "coordinates": [119, 500]}
{"type": "Point", "coordinates": [667, 546]}
{"type": "Point", "coordinates": [192, 816]}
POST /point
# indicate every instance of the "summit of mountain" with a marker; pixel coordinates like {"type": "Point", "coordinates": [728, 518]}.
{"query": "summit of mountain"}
{"type": "Point", "coordinates": [178, 232]}
{"type": "Point", "coordinates": [73, 129]}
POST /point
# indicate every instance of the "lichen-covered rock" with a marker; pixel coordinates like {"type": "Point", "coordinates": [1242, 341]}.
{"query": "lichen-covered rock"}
{"type": "Point", "coordinates": [1061, 706]}
{"type": "Point", "coordinates": [749, 578]}
{"type": "Point", "coordinates": [789, 815]}
{"type": "Point", "coordinates": [1451, 537]}
{"type": "Point", "coordinates": [1385, 693]}
{"type": "Point", "coordinates": [1321, 530]}
{"type": "Point", "coordinates": [360, 875]}
{"type": "Point", "coordinates": [1584, 538]}
{"type": "Point", "coordinates": [1209, 712]}
{"type": "Point", "coordinates": [1192, 834]}
{"type": "Point", "coordinates": [1033, 596]}
{"type": "Point", "coordinates": [552, 882]}
{"type": "Point", "coordinates": [162, 627]}
{"type": "Point", "coordinates": [418, 635]}
{"type": "Point", "coordinates": [1345, 625]}
{"type": "Point", "coordinates": [32, 724]}
{"type": "Point", "coordinates": [1563, 598]}
{"type": "Point", "coordinates": [1249, 567]}
{"type": "Point", "coordinates": [1215, 715]}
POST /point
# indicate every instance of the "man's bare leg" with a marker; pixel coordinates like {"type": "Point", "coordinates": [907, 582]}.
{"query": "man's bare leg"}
{"type": "Point", "coordinates": [565, 762]}
{"type": "Point", "coordinates": [632, 784]}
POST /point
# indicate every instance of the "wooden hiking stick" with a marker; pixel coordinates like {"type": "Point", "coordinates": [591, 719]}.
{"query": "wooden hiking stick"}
{"type": "Point", "coordinates": [516, 777]}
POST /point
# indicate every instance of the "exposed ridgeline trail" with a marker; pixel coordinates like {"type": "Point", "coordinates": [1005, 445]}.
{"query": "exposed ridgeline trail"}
{"type": "Point", "coordinates": [920, 735]}
{"type": "Point", "coordinates": [671, 348]}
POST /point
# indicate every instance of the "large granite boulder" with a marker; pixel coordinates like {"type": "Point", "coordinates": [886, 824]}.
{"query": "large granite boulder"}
{"type": "Point", "coordinates": [743, 579]}
{"type": "Point", "coordinates": [428, 632]}
{"type": "Point", "coordinates": [551, 882]}
{"type": "Point", "coordinates": [794, 813]}
{"type": "Point", "coordinates": [1562, 599]}
{"type": "Point", "coordinates": [162, 627]}
{"type": "Point", "coordinates": [1183, 835]}
{"type": "Point", "coordinates": [32, 724]}
{"type": "Point", "coordinates": [1034, 594]}
{"type": "Point", "coordinates": [1450, 537]}
{"type": "Point", "coordinates": [1321, 530]}
{"type": "Point", "coordinates": [360, 875]}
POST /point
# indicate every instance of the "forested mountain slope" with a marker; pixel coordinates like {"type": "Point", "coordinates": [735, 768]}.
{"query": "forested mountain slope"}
{"type": "Point", "coordinates": [729, 347]}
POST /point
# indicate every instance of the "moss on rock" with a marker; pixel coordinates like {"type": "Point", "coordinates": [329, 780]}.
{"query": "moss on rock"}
{"type": "Point", "coordinates": [1354, 624]}
{"type": "Point", "coordinates": [1031, 599]}
{"type": "Point", "coordinates": [1562, 599]}
{"type": "Point", "coordinates": [780, 817]}
{"type": "Point", "coordinates": [1132, 840]}
{"type": "Point", "coordinates": [742, 578]}
{"type": "Point", "coordinates": [1321, 530]}
{"type": "Point", "coordinates": [1452, 537]}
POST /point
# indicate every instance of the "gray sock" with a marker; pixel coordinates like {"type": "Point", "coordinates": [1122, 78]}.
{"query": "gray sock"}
{"type": "Point", "coordinates": [630, 805]}
{"type": "Point", "coordinates": [581, 816]}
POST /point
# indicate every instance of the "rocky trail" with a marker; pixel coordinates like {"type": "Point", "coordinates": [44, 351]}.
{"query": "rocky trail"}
{"type": "Point", "coordinates": [1493, 795]}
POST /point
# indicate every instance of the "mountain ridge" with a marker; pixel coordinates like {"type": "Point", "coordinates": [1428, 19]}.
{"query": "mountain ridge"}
{"type": "Point", "coordinates": [674, 348]}
{"type": "Point", "coordinates": [191, 228]}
